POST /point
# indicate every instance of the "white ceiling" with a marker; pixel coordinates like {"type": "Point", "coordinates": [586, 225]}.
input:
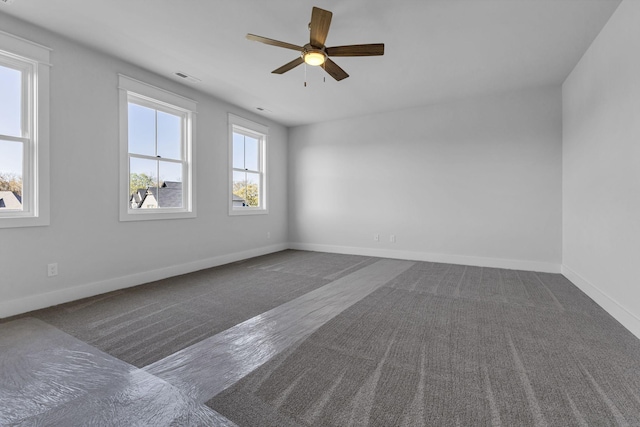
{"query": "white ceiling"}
{"type": "Point", "coordinates": [434, 49]}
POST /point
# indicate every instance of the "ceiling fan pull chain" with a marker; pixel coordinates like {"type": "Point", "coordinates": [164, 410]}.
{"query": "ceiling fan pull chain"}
{"type": "Point", "coordinates": [305, 74]}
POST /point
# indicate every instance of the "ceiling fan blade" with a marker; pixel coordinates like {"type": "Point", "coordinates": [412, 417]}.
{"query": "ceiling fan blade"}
{"type": "Point", "coordinates": [273, 42]}
{"type": "Point", "coordinates": [334, 70]}
{"type": "Point", "coordinates": [374, 49]}
{"type": "Point", "coordinates": [288, 66]}
{"type": "Point", "coordinates": [319, 26]}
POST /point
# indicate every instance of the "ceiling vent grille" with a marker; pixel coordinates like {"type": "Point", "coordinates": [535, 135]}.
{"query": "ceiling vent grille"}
{"type": "Point", "coordinates": [185, 76]}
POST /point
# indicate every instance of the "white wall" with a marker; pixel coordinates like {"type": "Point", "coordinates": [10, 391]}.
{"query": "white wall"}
{"type": "Point", "coordinates": [94, 250]}
{"type": "Point", "coordinates": [476, 181]}
{"type": "Point", "coordinates": [601, 168]}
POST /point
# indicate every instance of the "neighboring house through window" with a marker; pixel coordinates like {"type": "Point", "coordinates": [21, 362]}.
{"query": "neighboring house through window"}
{"type": "Point", "coordinates": [24, 132]}
{"type": "Point", "coordinates": [156, 153]}
{"type": "Point", "coordinates": [247, 148]}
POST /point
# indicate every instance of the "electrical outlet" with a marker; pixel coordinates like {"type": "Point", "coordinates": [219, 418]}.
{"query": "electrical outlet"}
{"type": "Point", "coordinates": [376, 237]}
{"type": "Point", "coordinates": [392, 238]}
{"type": "Point", "coordinates": [268, 234]}
{"type": "Point", "coordinates": [52, 269]}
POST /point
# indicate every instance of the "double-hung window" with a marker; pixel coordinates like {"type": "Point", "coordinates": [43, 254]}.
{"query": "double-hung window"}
{"type": "Point", "coordinates": [24, 133]}
{"type": "Point", "coordinates": [247, 148]}
{"type": "Point", "coordinates": [156, 153]}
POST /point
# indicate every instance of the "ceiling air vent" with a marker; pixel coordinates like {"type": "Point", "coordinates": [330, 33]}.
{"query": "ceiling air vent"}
{"type": "Point", "coordinates": [180, 74]}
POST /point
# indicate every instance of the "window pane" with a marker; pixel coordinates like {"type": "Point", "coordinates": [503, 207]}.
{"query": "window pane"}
{"type": "Point", "coordinates": [10, 101]}
{"type": "Point", "coordinates": [170, 191]}
{"type": "Point", "coordinates": [142, 175]}
{"type": "Point", "coordinates": [238, 151]}
{"type": "Point", "coordinates": [251, 154]}
{"type": "Point", "coordinates": [169, 135]}
{"type": "Point", "coordinates": [239, 188]}
{"type": "Point", "coordinates": [253, 189]}
{"type": "Point", "coordinates": [11, 175]}
{"type": "Point", "coordinates": [142, 130]}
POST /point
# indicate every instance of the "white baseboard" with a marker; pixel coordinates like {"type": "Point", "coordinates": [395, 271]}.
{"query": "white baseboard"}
{"type": "Point", "coordinates": [610, 305]}
{"type": "Point", "coordinates": [48, 299]}
{"type": "Point", "coordinates": [510, 264]}
{"type": "Point", "coordinates": [61, 296]}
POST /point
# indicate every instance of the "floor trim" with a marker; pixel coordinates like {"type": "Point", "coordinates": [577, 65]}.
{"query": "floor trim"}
{"type": "Point", "coordinates": [509, 264]}
{"type": "Point", "coordinates": [61, 296]}
{"type": "Point", "coordinates": [609, 304]}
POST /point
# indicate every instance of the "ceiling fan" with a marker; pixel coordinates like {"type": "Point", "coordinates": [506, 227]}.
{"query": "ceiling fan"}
{"type": "Point", "coordinates": [315, 52]}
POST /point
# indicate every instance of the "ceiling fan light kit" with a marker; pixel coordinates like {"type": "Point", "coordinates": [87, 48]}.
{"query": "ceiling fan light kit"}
{"type": "Point", "coordinates": [315, 52]}
{"type": "Point", "coordinates": [314, 57]}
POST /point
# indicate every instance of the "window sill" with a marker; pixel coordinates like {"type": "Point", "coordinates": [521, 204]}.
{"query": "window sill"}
{"type": "Point", "coordinates": [247, 211]}
{"type": "Point", "coordinates": [23, 221]}
{"type": "Point", "coordinates": [152, 216]}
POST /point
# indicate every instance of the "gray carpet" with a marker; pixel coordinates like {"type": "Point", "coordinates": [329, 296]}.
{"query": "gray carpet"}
{"type": "Point", "coordinates": [144, 324]}
{"type": "Point", "coordinates": [452, 345]}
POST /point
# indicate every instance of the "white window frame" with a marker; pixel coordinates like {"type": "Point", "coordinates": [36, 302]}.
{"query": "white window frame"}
{"type": "Point", "coordinates": [260, 132]}
{"type": "Point", "coordinates": [160, 99]}
{"type": "Point", "coordinates": [33, 60]}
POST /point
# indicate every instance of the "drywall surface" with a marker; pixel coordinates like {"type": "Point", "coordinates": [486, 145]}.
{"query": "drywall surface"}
{"type": "Point", "coordinates": [96, 252]}
{"type": "Point", "coordinates": [601, 168]}
{"type": "Point", "coordinates": [475, 181]}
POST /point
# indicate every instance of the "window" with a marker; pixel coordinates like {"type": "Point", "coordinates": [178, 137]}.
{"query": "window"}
{"type": "Point", "coordinates": [24, 133]}
{"type": "Point", "coordinates": [247, 152]}
{"type": "Point", "coordinates": [156, 153]}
